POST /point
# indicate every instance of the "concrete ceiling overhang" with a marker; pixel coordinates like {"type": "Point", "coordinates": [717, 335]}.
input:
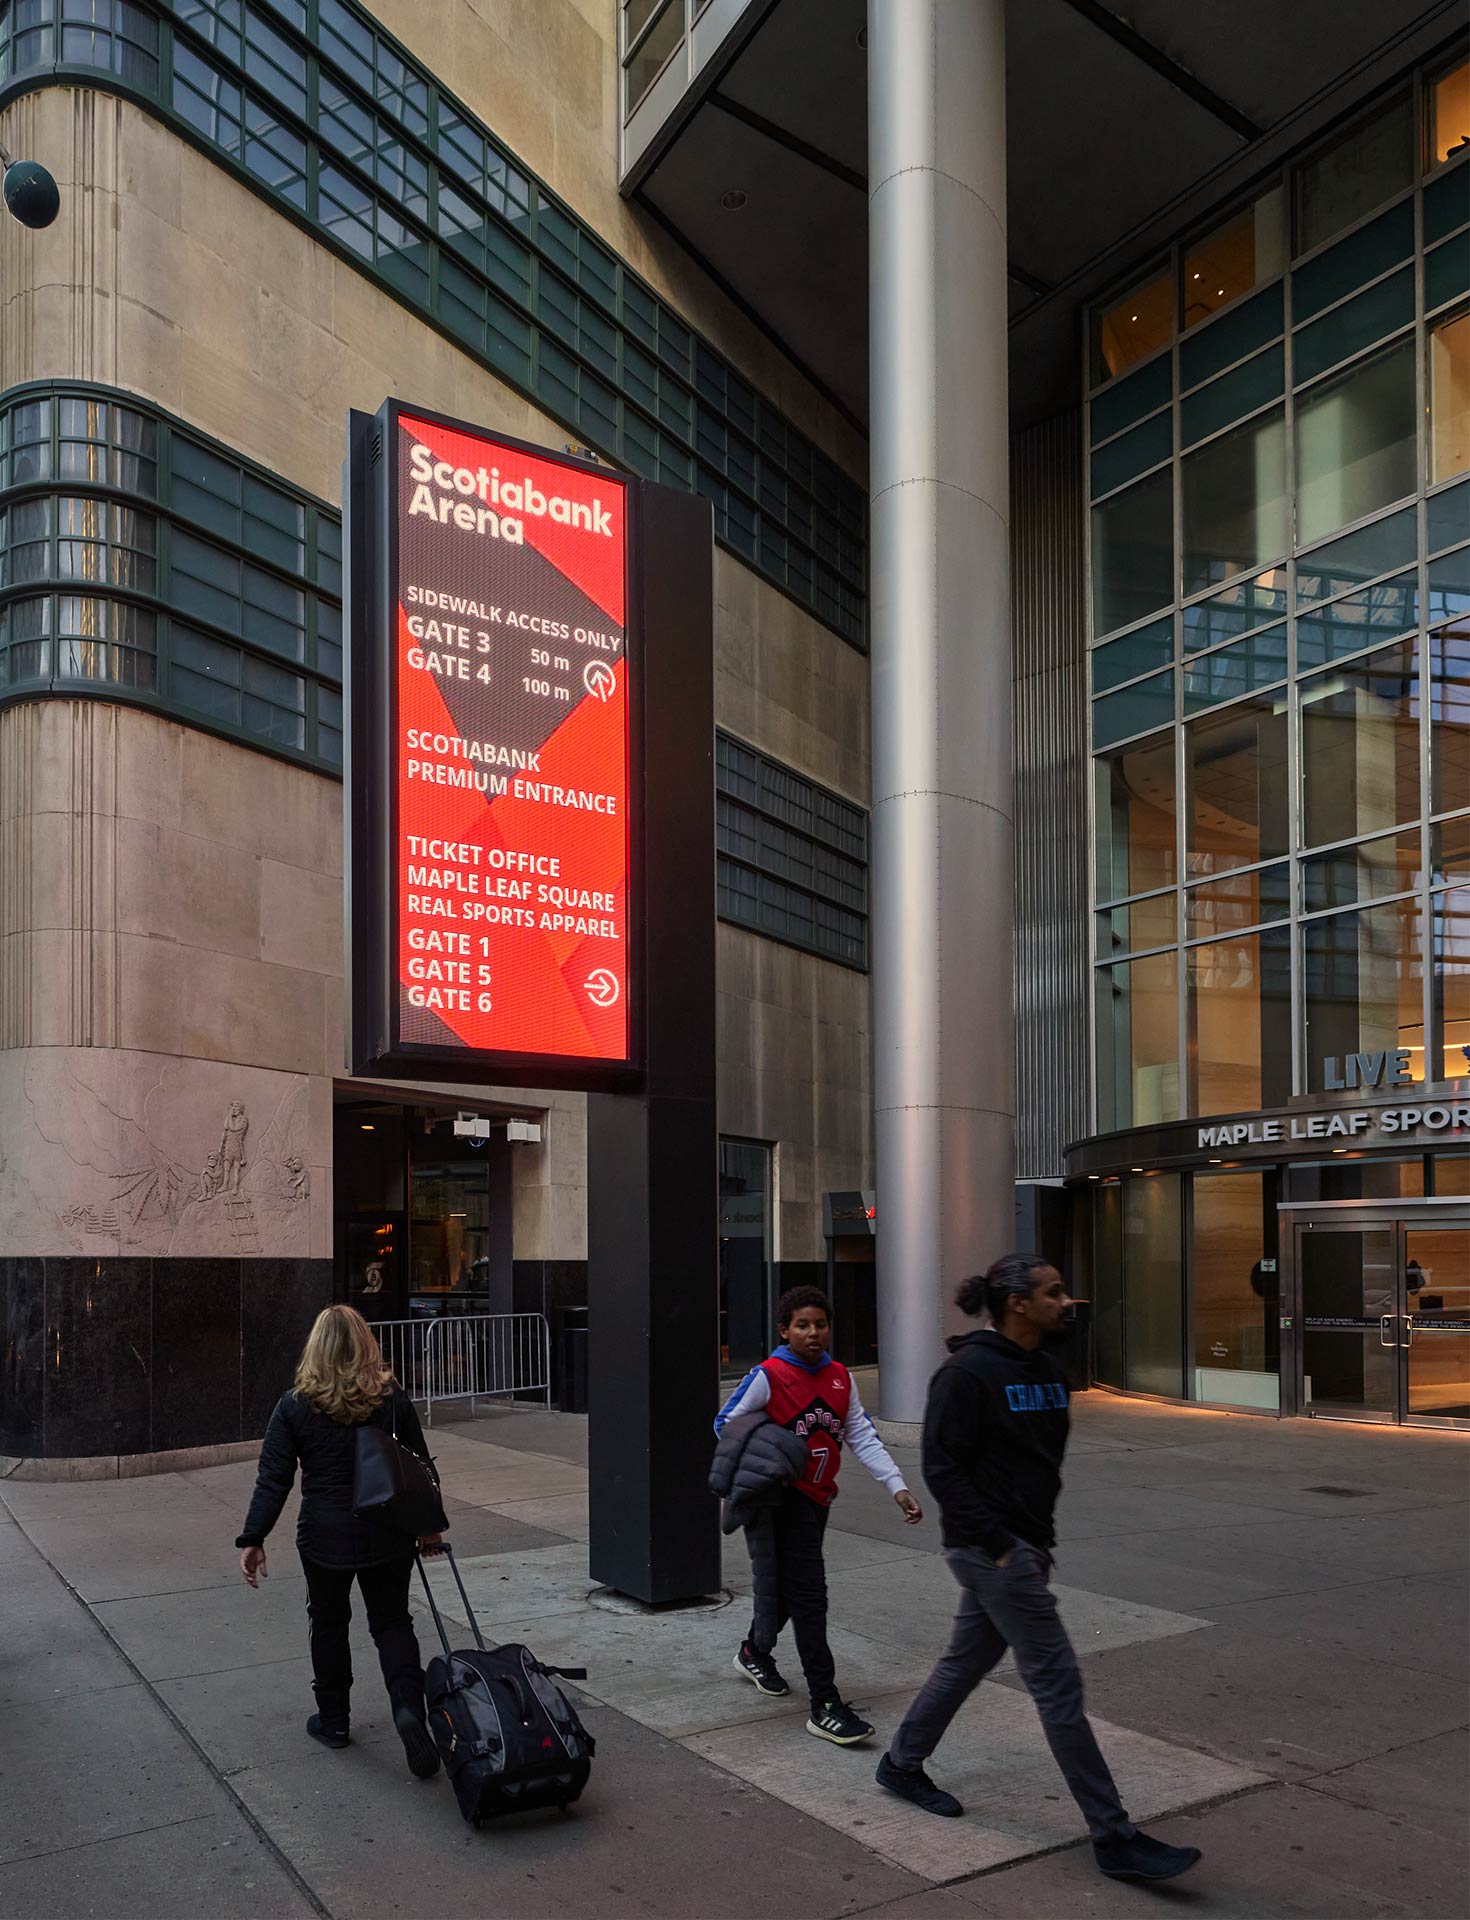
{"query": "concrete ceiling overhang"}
{"type": "Point", "coordinates": [1120, 131]}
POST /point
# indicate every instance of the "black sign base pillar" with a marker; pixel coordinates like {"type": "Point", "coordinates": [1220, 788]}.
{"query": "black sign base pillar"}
{"type": "Point", "coordinates": [652, 1154]}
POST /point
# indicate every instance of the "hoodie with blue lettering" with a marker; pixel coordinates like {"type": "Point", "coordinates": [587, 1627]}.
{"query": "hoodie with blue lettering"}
{"type": "Point", "coordinates": [995, 1429]}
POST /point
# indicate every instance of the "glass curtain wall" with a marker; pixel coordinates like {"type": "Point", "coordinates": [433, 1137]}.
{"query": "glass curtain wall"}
{"type": "Point", "coordinates": [1279, 433]}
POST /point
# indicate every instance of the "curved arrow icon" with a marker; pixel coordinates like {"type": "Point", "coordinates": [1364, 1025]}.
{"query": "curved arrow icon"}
{"type": "Point", "coordinates": [599, 679]}
{"type": "Point", "coordinates": [603, 987]}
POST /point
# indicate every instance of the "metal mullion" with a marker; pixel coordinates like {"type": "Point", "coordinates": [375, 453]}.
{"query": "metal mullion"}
{"type": "Point", "coordinates": [630, 47]}
{"type": "Point", "coordinates": [1147, 473]}
{"type": "Point", "coordinates": [1364, 905]}
{"type": "Point", "coordinates": [1219, 433]}
{"type": "Point", "coordinates": [1357, 357]}
{"type": "Point", "coordinates": [1428, 1008]}
{"type": "Point", "coordinates": [1234, 933]}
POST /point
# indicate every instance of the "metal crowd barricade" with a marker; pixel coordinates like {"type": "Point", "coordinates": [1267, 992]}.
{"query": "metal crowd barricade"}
{"type": "Point", "coordinates": [468, 1356]}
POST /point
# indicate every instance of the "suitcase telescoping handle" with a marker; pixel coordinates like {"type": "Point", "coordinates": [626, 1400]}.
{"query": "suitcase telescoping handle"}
{"type": "Point", "coordinates": [469, 1612]}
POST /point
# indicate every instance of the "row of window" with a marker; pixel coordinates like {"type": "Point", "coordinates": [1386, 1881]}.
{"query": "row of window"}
{"type": "Point", "coordinates": [1418, 133]}
{"type": "Point", "coordinates": [1241, 1023]}
{"type": "Point", "coordinates": [792, 859]}
{"type": "Point", "coordinates": [322, 112]}
{"type": "Point", "coordinates": [136, 556]}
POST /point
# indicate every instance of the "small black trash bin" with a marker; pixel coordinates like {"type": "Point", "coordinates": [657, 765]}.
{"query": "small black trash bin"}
{"type": "Point", "coordinates": [571, 1353]}
{"type": "Point", "coordinates": [1073, 1353]}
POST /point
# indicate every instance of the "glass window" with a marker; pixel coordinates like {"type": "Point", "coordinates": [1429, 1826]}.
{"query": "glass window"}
{"type": "Point", "coordinates": [1356, 324]}
{"type": "Point", "coordinates": [1228, 672]}
{"type": "Point", "coordinates": [1235, 1290]}
{"type": "Point", "coordinates": [1452, 981]}
{"type": "Point", "coordinates": [1363, 973]}
{"type": "Point", "coordinates": [1134, 327]}
{"type": "Point", "coordinates": [1360, 746]}
{"type": "Point", "coordinates": [1449, 113]}
{"type": "Point", "coordinates": [1132, 453]}
{"type": "Point", "coordinates": [653, 50]}
{"type": "Point", "coordinates": [1240, 1022]}
{"type": "Point", "coordinates": [1138, 1042]}
{"type": "Point", "coordinates": [1135, 818]}
{"type": "Point", "coordinates": [1135, 928]}
{"type": "Point", "coordinates": [1234, 501]}
{"type": "Point", "coordinates": [1133, 553]}
{"type": "Point", "coordinates": [1450, 858]}
{"type": "Point", "coordinates": [1446, 274]}
{"type": "Point", "coordinates": [1231, 338]}
{"type": "Point", "coordinates": [1153, 1306]}
{"type": "Point", "coordinates": [1449, 717]}
{"type": "Point", "coordinates": [1451, 1171]}
{"type": "Point", "coordinates": [1364, 555]}
{"type": "Point", "coordinates": [1238, 789]}
{"type": "Point", "coordinates": [745, 1253]}
{"type": "Point", "coordinates": [1449, 397]}
{"type": "Point", "coordinates": [1107, 1284]}
{"type": "Point", "coordinates": [1390, 864]}
{"type": "Point", "coordinates": [1135, 653]}
{"type": "Point", "coordinates": [1351, 177]}
{"type": "Point", "coordinates": [1247, 249]}
{"type": "Point", "coordinates": [1236, 610]}
{"type": "Point", "coordinates": [1357, 620]}
{"type": "Point", "coordinates": [1120, 405]}
{"type": "Point", "coordinates": [1236, 900]}
{"type": "Point", "coordinates": [1353, 262]}
{"type": "Point", "coordinates": [1446, 203]}
{"type": "Point", "coordinates": [1355, 443]}
{"type": "Point", "coordinates": [1147, 703]}
{"type": "Point", "coordinates": [1233, 395]}
{"type": "Point", "coordinates": [1447, 517]}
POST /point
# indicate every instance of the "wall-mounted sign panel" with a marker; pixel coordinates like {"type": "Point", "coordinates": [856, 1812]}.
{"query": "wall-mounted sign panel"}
{"type": "Point", "coordinates": [490, 765]}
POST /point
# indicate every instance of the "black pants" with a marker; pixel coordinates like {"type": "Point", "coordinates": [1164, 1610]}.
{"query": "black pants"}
{"type": "Point", "coordinates": [329, 1605]}
{"type": "Point", "coordinates": [785, 1544]}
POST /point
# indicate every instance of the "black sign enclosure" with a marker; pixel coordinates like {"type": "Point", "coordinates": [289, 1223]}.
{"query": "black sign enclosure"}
{"type": "Point", "coordinates": [530, 867]}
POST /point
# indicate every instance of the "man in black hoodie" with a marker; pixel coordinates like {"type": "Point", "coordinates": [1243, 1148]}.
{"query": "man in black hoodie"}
{"type": "Point", "coordinates": [995, 1430]}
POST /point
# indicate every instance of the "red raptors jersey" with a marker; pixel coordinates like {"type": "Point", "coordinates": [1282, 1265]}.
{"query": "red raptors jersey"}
{"type": "Point", "coordinates": [813, 1403]}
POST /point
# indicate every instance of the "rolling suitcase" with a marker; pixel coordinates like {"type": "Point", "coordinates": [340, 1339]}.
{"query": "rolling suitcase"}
{"type": "Point", "coordinates": [509, 1738]}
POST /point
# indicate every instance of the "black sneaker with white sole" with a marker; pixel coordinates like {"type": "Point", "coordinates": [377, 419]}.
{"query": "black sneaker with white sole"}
{"type": "Point", "coordinates": [760, 1668]}
{"type": "Point", "coordinates": [1141, 1857]}
{"type": "Point", "coordinates": [836, 1721]}
{"type": "Point", "coordinates": [912, 1783]}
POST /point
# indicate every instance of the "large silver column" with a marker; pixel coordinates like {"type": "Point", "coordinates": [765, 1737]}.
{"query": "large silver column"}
{"type": "Point", "coordinates": [942, 839]}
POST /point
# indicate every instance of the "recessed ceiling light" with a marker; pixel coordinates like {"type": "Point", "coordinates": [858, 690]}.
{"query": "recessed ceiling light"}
{"type": "Point", "coordinates": [367, 1126]}
{"type": "Point", "coordinates": [733, 199]}
{"type": "Point", "coordinates": [1196, 276]}
{"type": "Point", "coordinates": [1135, 317]}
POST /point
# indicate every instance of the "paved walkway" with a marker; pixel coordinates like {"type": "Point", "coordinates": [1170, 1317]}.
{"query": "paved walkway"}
{"type": "Point", "coordinates": [1272, 1620]}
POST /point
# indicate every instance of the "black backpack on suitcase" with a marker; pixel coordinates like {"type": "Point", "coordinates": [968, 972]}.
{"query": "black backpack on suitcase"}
{"type": "Point", "coordinates": [509, 1738]}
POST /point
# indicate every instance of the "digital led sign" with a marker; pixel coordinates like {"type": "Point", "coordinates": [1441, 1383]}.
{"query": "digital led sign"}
{"type": "Point", "coordinates": [504, 730]}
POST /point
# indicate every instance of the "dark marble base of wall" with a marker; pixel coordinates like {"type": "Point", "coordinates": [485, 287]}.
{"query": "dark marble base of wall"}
{"type": "Point", "coordinates": [119, 1356]}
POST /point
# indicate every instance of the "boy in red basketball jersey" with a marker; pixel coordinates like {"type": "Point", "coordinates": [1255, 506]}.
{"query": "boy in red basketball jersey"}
{"type": "Point", "coordinates": [804, 1390]}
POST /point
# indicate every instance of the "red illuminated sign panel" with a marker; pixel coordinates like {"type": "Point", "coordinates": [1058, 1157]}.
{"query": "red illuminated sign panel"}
{"type": "Point", "coordinates": [509, 704]}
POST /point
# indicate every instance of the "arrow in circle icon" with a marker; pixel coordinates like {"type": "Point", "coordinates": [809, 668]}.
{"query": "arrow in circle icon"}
{"type": "Point", "coordinates": [599, 679]}
{"type": "Point", "coordinates": [603, 987]}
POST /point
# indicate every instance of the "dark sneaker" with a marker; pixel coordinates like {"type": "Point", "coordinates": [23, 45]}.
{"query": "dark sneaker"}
{"type": "Point", "coordinates": [912, 1783]}
{"type": "Point", "coordinates": [418, 1743]}
{"type": "Point", "coordinates": [334, 1735]}
{"type": "Point", "coordinates": [760, 1668]}
{"type": "Point", "coordinates": [836, 1721]}
{"type": "Point", "coordinates": [1143, 1858]}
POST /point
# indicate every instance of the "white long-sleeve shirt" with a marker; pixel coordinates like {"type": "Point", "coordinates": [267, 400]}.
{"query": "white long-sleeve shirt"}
{"type": "Point", "coordinates": [858, 1431]}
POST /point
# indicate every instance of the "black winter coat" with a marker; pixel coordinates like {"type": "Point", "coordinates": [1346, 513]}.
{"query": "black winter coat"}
{"type": "Point", "coordinates": [754, 1460]}
{"type": "Point", "coordinates": [327, 1531]}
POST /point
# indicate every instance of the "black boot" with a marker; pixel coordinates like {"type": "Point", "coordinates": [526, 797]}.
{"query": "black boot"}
{"type": "Point", "coordinates": [411, 1724]}
{"type": "Point", "coordinates": [330, 1723]}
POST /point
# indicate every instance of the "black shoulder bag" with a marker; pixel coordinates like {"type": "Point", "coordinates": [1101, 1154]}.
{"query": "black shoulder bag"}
{"type": "Point", "coordinates": [393, 1485]}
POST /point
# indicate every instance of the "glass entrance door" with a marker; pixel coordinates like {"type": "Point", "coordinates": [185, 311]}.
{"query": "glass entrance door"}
{"type": "Point", "coordinates": [1384, 1317]}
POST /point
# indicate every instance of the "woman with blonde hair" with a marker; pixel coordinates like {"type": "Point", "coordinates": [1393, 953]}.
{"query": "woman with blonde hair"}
{"type": "Point", "coordinates": [342, 1383]}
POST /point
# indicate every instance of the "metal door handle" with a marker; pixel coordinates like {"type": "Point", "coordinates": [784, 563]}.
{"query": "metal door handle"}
{"type": "Point", "coordinates": [1408, 1339]}
{"type": "Point", "coordinates": [1385, 1325]}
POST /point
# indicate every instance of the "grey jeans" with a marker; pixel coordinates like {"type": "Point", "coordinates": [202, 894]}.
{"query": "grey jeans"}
{"type": "Point", "coordinates": [1012, 1606]}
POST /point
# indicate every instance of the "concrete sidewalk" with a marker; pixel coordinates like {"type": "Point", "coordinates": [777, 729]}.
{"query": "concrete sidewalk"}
{"type": "Point", "coordinates": [1272, 1620]}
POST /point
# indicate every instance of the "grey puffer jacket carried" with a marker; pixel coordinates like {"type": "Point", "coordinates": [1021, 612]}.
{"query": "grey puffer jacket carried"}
{"type": "Point", "coordinates": [753, 1461]}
